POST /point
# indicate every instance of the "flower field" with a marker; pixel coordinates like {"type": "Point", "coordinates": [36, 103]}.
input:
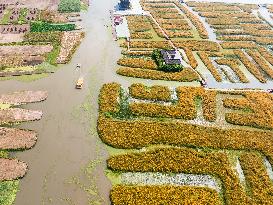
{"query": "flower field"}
{"type": "Point", "coordinates": [260, 110]}
{"type": "Point", "coordinates": [157, 123]}
{"type": "Point", "coordinates": [186, 75]}
{"type": "Point", "coordinates": [221, 128]}
{"type": "Point", "coordinates": [173, 25]}
{"type": "Point", "coordinates": [163, 195]}
{"type": "Point", "coordinates": [238, 28]}
{"type": "Point", "coordinates": [160, 93]}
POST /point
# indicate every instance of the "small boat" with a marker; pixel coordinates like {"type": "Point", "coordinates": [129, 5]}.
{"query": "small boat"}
{"type": "Point", "coordinates": [78, 66]}
{"type": "Point", "coordinates": [79, 84]}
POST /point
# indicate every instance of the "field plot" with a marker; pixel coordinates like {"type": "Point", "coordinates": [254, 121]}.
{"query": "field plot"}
{"type": "Point", "coordinates": [29, 28]}
{"type": "Point", "coordinates": [192, 145]}
{"type": "Point", "coordinates": [14, 139]}
{"type": "Point", "coordinates": [243, 33]}
{"type": "Point", "coordinates": [226, 45]}
{"type": "Point", "coordinates": [188, 130]}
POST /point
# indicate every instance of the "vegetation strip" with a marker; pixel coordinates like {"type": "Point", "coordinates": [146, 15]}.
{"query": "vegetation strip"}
{"type": "Point", "coordinates": [157, 195]}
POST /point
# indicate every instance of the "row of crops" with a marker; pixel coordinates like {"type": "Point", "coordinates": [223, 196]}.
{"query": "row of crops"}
{"type": "Point", "coordinates": [159, 128]}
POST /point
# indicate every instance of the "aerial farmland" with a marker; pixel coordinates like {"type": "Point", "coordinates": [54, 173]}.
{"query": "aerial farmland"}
{"type": "Point", "coordinates": [136, 102]}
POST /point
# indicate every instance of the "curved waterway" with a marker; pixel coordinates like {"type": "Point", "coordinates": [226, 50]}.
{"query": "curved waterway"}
{"type": "Point", "coordinates": [67, 140]}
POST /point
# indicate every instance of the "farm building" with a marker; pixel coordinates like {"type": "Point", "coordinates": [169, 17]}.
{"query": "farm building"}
{"type": "Point", "coordinates": [171, 57]}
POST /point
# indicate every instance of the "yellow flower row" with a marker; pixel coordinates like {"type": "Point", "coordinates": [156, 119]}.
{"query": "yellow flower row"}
{"type": "Point", "coordinates": [179, 34]}
{"type": "Point", "coordinates": [196, 45]}
{"type": "Point", "coordinates": [148, 44]}
{"type": "Point", "coordinates": [256, 175]}
{"type": "Point", "coordinates": [223, 21]}
{"type": "Point", "coordinates": [141, 35]}
{"type": "Point", "coordinates": [109, 98]}
{"type": "Point", "coordinates": [168, 194]}
{"type": "Point", "coordinates": [155, 92]}
{"type": "Point", "coordinates": [186, 75]}
{"type": "Point", "coordinates": [191, 58]}
{"type": "Point", "coordinates": [266, 54]}
{"type": "Point", "coordinates": [195, 21]}
{"type": "Point", "coordinates": [256, 56]}
{"type": "Point", "coordinates": [137, 53]}
{"type": "Point", "coordinates": [258, 106]}
{"type": "Point", "coordinates": [234, 65]}
{"type": "Point", "coordinates": [206, 60]}
{"type": "Point", "coordinates": [137, 63]}
{"type": "Point", "coordinates": [185, 107]}
{"type": "Point", "coordinates": [185, 160]}
{"type": "Point", "coordinates": [141, 133]}
{"type": "Point", "coordinates": [238, 44]}
{"type": "Point", "coordinates": [250, 66]}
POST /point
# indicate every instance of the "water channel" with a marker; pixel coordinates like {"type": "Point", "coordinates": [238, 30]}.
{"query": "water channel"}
{"type": "Point", "coordinates": [68, 140]}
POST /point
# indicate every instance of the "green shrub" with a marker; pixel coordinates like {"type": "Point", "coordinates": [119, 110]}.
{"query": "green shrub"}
{"type": "Point", "coordinates": [51, 36]}
{"type": "Point", "coordinates": [40, 26]}
{"type": "Point", "coordinates": [67, 6]}
{"type": "Point", "coordinates": [158, 58]}
{"type": "Point", "coordinates": [8, 190]}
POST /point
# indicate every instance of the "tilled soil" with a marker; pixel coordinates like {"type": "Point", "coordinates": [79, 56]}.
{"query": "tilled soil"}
{"type": "Point", "coordinates": [11, 169]}
{"type": "Point", "coordinates": [13, 139]}
{"type": "Point", "coordinates": [25, 50]}
{"type": "Point", "coordinates": [23, 97]}
{"type": "Point", "coordinates": [13, 115]}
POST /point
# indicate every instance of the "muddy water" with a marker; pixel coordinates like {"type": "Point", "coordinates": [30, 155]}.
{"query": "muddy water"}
{"type": "Point", "coordinates": [65, 145]}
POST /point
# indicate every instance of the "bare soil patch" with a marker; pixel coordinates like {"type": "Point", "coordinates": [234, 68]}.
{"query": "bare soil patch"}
{"type": "Point", "coordinates": [23, 97]}
{"type": "Point", "coordinates": [14, 139]}
{"type": "Point", "coordinates": [11, 169]}
{"type": "Point", "coordinates": [25, 50]}
{"type": "Point", "coordinates": [13, 115]}
{"type": "Point", "coordinates": [9, 38]}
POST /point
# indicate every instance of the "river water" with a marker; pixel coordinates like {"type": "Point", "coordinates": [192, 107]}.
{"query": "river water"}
{"type": "Point", "coordinates": [65, 145]}
{"type": "Point", "coordinates": [67, 139]}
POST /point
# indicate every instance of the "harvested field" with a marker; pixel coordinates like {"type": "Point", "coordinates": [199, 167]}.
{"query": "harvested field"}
{"type": "Point", "coordinates": [23, 97]}
{"type": "Point", "coordinates": [11, 169]}
{"type": "Point", "coordinates": [69, 43]}
{"type": "Point", "coordinates": [25, 50]}
{"type": "Point", "coordinates": [8, 38]}
{"type": "Point", "coordinates": [14, 139]}
{"type": "Point", "coordinates": [14, 115]}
